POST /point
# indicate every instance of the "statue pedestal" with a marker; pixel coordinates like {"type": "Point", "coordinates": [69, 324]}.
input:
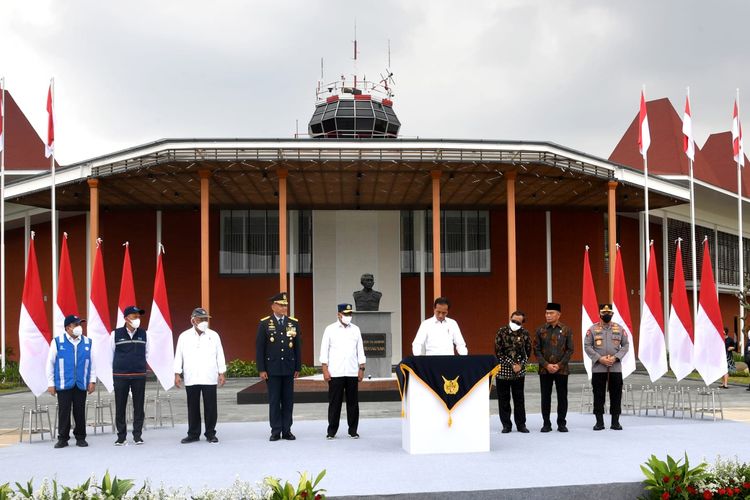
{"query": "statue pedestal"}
{"type": "Point", "coordinates": [377, 339]}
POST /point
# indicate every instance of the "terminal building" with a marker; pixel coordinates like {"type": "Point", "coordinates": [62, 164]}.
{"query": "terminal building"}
{"type": "Point", "coordinates": [493, 225]}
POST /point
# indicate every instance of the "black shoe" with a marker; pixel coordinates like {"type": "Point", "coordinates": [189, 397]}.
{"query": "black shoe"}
{"type": "Point", "coordinates": [599, 426]}
{"type": "Point", "coordinates": [274, 437]}
{"type": "Point", "coordinates": [505, 430]}
{"type": "Point", "coordinates": [138, 440]}
{"type": "Point", "coordinates": [562, 428]}
{"type": "Point", "coordinates": [546, 428]}
{"type": "Point", "coordinates": [288, 436]}
{"type": "Point", "coordinates": [329, 437]}
{"type": "Point", "coordinates": [120, 442]}
{"type": "Point", "coordinates": [188, 439]}
{"type": "Point", "coordinates": [82, 443]}
{"type": "Point", "coordinates": [213, 439]}
{"type": "Point", "coordinates": [616, 423]}
{"type": "Point", "coordinates": [61, 444]}
{"type": "Point", "coordinates": [354, 436]}
{"type": "Point", "coordinates": [523, 429]}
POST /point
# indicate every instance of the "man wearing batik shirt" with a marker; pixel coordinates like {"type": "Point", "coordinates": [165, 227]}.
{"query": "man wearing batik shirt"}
{"type": "Point", "coordinates": [554, 347]}
{"type": "Point", "coordinates": [512, 348]}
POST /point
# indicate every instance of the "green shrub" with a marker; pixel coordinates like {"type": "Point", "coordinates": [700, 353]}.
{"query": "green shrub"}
{"type": "Point", "coordinates": [240, 368]}
{"type": "Point", "coordinates": [305, 489]}
{"type": "Point", "coordinates": [306, 371]}
{"type": "Point", "coordinates": [532, 368]}
{"type": "Point", "coordinates": [671, 479]}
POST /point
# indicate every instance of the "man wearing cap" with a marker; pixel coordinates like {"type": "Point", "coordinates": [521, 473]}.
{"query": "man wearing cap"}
{"type": "Point", "coordinates": [343, 358]}
{"type": "Point", "coordinates": [279, 360]}
{"type": "Point", "coordinates": [130, 348]}
{"type": "Point", "coordinates": [70, 375]}
{"type": "Point", "coordinates": [554, 347]}
{"type": "Point", "coordinates": [438, 335]}
{"type": "Point", "coordinates": [199, 358]}
{"type": "Point", "coordinates": [606, 343]}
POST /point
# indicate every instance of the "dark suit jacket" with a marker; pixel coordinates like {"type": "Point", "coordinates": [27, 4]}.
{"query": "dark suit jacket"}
{"type": "Point", "coordinates": [277, 349]}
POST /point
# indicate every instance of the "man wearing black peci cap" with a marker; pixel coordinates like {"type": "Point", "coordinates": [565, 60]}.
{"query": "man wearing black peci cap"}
{"type": "Point", "coordinates": [606, 343]}
{"type": "Point", "coordinates": [70, 376]}
{"type": "Point", "coordinates": [279, 359]}
{"type": "Point", "coordinates": [130, 348]}
{"type": "Point", "coordinates": [554, 347]}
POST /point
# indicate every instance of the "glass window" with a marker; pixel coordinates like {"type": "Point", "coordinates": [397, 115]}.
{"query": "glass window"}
{"type": "Point", "coordinates": [680, 229]}
{"type": "Point", "coordinates": [250, 242]}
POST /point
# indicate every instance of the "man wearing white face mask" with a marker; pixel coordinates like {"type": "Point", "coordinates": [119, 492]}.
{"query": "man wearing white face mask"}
{"type": "Point", "coordinates": [199, 358]}
{"type": "Point", "coordinates": [343, 358]}
{"type": "Point", "coordinates": [512, 348]}
{"type": "Point", "coordinates": [130, 348]}
{"type": "Point", "coordinates": [70, 375]}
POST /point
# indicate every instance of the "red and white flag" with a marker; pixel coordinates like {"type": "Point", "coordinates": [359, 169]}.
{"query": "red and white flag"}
{"type": "Point", "coordinates": [66, 291]}
{"type": "Point", "coordinates": [589, 307]}
{"type": "Point", "coordinates": [161, 344]}
{"type": "Point", "coordinates": [652, 351]}
{"type": "Point", "coordinates": [98, 322]}
{"type": "Point", "coordinates": [127, 290]}
{"type": "Point", "coordinates": [709, 355]}
{"type": "Point", "coordinates": [33, 330]}
{"type": "Point", "coordinates": [688, 142]}
{"type": "Point", "coordinates": [680, 323]}
{"type": "Point", "coordinates": [49, 148]}
{"type": "Point", "coordinates": [738, 149]}
{"type": "Point", "coordinates": [621, 315]}
{"type": "Point", "coordinates": [644, 134]}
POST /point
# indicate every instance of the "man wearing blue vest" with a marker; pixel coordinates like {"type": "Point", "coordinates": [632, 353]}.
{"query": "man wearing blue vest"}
{"type": "Point", "coordinates": [130, 348]}
{"type": "Point", "coordinates": [70, 374]}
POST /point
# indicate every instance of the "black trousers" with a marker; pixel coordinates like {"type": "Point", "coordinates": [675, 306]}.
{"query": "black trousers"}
{"type": "Point", "coordinates": [599, 384]}
{"type": "Point", "coordinates": [506, 388]}
{"type": "Point", "coordinates": [561, 386]}
{"type": "Point", "coordinates": [280, 402]}
{"type": "Point", "coordinates": [75, 398]}
{"type": "Point", "coordinates": [194, 409]}
{"type": "Point", "coordinates": [337, 387]}
{"type": "Point", "coordinates": [136, 386]}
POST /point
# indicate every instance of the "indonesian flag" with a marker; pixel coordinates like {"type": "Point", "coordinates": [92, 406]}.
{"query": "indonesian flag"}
{"type": "Point", "coordinates": [644, 134]}
{"type": "Point", "coordinates": [589, 307]}
{"type": "Point", "coordinates": [127, 290]}
{"type": "Point", "coordinates": [709, 355]}
{"type": "Point", "coordinates": [680, 323]}
{"type": "Point", "coordinates": [49, 148]}
{"type": "Point", "coordinates": [161, 345]}
{"type": "Point", "coordinates": [737, 148]}
{"type": "Point", "coordinates": [651, 348]}
{"type": "Point", "coordinates": [33, 330]}
{"type": "Point", "coordinates": [688, 142]}
{"type": "Point", "coordinates": [66, 291]}
{"type": "Point", "coordinates": [622, 315]}
{"type": "Point", "coordinates": [98, 322]}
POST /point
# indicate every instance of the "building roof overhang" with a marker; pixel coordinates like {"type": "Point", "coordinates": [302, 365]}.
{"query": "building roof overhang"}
{"type": "Point", "coordinates": [366, 173]}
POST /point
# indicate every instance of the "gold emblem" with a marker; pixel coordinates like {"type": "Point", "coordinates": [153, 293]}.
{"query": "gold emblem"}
{"type": "Point", "coordinates": [291, 345]}
{"type": "Point", "coordinates": [450, 386]}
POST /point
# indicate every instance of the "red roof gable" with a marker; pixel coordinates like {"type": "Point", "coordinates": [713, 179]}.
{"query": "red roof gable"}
{"type": "Point", "coordinates": [718, 151]}
{"type": "Point", "coordinates": [665, 155]}
{"type": "Point", "coordinates": [24, 149]}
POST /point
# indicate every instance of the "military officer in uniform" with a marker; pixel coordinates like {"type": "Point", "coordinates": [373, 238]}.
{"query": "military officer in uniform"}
{"type": "Point", "coordinates": [606, 343]}
{"type": "Point", "coordinates": [279, 362]}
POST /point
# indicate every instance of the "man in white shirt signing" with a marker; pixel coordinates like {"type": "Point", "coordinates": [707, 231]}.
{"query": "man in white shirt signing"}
{"type": "Point", "coordinates": [438, 335]}
{"type": "Point", "coordinates": [343, 358]}
{"type": "Point", "coordinates": [199, 358]}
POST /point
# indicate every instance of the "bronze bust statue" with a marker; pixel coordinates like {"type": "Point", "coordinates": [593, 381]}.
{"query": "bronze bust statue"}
{"type": "Point", "coordinates": [367, 299]}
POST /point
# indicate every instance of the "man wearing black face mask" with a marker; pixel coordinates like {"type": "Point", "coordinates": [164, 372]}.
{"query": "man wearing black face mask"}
{"type": "Point", "coordinates": [606, 343]}
{"type": "Point", "coordinates": [512, 348]}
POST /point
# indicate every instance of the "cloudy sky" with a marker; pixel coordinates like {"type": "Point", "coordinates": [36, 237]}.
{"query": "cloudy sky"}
{"type": "Point", "coordinates": [565, 71]}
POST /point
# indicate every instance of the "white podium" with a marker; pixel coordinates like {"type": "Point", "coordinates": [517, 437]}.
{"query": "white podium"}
{"type": "Point", "coordinates": [425, 429]}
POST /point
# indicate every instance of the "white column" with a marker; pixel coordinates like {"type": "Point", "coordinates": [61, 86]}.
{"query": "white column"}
{"type": "Point", "coordinates": [641, 262]}
{"type": "Point", "coordinates": [665, 272]}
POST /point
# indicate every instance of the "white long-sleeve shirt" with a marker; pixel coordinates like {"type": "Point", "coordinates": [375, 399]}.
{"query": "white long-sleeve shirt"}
{"type": "Point", "coordinates": [342, 350]}
{"type": "Point", "coordinates": [52, 356]}
{"type": "Point", "coordinates": [199, 358]}
{"type": "Point", "coordinates": [437, 338]}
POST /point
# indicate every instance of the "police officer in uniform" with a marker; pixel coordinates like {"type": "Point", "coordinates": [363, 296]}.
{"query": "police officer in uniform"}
{"type": "Point", "coordinates": [606, 343]}
{"type": "Point", "coordinates": [278, 355]}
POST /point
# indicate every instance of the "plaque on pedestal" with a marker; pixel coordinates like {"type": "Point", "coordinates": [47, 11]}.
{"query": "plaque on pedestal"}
{"type": "Point", "coordinates": [376, 339]}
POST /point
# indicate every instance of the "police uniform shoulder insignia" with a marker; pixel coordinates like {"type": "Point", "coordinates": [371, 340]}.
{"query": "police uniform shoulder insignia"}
{"type": "Point", "coordinates": [293, 319]}
{"type": "Point", "coordinates": [616, 328]}
{"type": "Point", "coordinates": [265, 318]}
{"type": "Point", "coordinates": [598, 329]}
{"type": "Point", "coordinates": [588, 333]}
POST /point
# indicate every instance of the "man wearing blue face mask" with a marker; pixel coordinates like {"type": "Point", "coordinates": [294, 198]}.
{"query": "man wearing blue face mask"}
{"type": "Point", "coordinates": [512, 348]}
{"type": "Point", "coordinates": [130, 348]}
{"type": "Point", "coordinates": [70, 374]}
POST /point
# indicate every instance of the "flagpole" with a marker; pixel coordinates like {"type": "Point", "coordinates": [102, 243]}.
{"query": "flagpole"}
{"type": "Point", "coordinates": [2, 232]}
{"type": "Point", "coordinates": [53, 205]}
{"type": "Point", "coordinates": [693, 244]}
{"type": "Point", "coordinates": [740, 160]}
{"type": "Point", "coordinates": [645, 186]}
